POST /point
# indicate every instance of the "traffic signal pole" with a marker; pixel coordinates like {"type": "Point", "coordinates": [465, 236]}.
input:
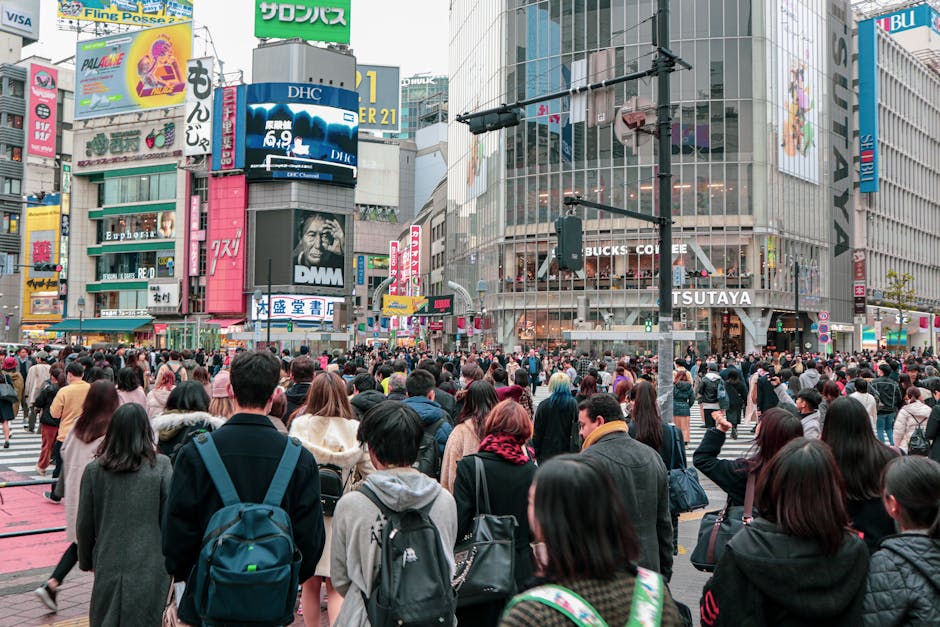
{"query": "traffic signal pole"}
{"type": "Point", "coordinates": [664, 65]}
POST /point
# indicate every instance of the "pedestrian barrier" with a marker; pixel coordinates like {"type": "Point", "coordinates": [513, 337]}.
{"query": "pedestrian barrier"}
{"type": "Point", "coordinates": [27, 532]}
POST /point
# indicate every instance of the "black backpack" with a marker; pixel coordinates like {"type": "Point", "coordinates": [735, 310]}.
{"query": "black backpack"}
{"type": "Point", "coordinates": [429, 458]}
{"type": "Point", "coordinates": [176, 373]}
{"type": "Point", "coordinates": [919, 444]}
{"type": "Point", "coordinates": [331, 487]}
{"type": "Point", "coordinates": [412, 587]}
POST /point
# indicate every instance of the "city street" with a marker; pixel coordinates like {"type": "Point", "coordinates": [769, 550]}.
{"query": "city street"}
{"type": "Point", "coordinates": [28, 560]}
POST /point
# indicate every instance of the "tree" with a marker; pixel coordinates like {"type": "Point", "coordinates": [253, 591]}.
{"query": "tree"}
{"type": "Point", "coordinates": [900, 295]}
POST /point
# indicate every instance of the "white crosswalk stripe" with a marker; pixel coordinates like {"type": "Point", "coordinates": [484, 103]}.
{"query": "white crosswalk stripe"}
{"type": "Point", "coordinates": [733, 449]}
{"type": "Point", "coordinates": [24, 451]}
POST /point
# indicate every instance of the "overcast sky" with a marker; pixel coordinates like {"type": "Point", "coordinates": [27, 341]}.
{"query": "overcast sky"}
{"type": "Point", "coordinates": [412, 34]}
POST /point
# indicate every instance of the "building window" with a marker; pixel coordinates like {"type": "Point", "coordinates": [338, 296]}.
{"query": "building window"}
{"type": "Point", "coordinates": [10, 223]}
{"type": "Point", "coordinates": [13, 187]}
{"type": "Point", "coordinates": [15, 153]}
{"type": "Point", "coordinates": [133, 189]}
{"type": "Point", "coordinates": [201, 188]}
{"type": "Point", "coordinates": [14, 121]}
{"type": "Point", "coordinates": [16, 88]}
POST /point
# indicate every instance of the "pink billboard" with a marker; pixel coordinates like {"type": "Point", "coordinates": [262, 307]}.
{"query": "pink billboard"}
{"type": "Point", "coordinates": [225, 266]}
{"type": "Point", "coordinates": [393, 269]}
{"type": "Point", "coordinates": [43, 115]}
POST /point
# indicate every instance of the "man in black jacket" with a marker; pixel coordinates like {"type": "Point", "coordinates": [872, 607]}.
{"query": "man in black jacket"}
{"type": "Point", "coordinates": [638, 471]}
{"type": "Point", "coordinates": [301, 374]}
{"type": "Point", "coordinates": [365, 396]}
{"type": "Point", "coordinates": [888, 394]}
{"type": "Point", "coordinates": [446, 400]}
{"type": "Point", "coordinates": [251, 449]}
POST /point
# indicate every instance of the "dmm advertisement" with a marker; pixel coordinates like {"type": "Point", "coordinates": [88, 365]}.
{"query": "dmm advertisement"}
{"type": "Point", "coordinates": [43, 113]}
{"type": "Point", "coordinates": [41, 289]}
{"type": "Point", "coordinates": [799, 41]}
{"type": "Point", "coordinates": [319, 255]}
{"type": "Point", "coordinates": [298, 131]}
{"type": "Point", "coordinates": [147, 13]}
{"type": "Point", "coordinates": [132, 71]}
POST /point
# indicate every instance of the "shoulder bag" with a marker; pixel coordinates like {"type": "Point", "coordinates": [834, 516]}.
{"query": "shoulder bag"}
{"type": "Point", "coordinates": [718, 527]}
{"type": "Point", "coordinates": [685, 492]}
{"type": "Point", "coordinates": [485, 558]}
{"type": "Point", "coordinates": [8, 392]}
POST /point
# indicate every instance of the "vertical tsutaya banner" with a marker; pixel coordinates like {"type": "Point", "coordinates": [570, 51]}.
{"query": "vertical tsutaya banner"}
{"type": "Point", "coordinates": [199, 106]}
{"type": "Point", "coordinates": [43, 113]}
{"type": "Point", "coordinates": [132, 71]}
{"type": "Point", "coordinates": [393, 268]}
{"type": "Point", "coordinates": [799, 40]}
{"type": "Point", "coordinates": [319, 255]}
{"type": "Point", "coordinates": [840, 164]}
{"type": "Point", "coordinates": [415, 252]}
{"type": "Point", "coordinates": [867, 107]}
{"type": "Point", "coordinates": [41, 289]}
{"type": "Point", "coordinates": [225, 271]}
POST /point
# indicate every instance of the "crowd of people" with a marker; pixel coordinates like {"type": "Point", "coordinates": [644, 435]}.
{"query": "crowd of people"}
{"type": "Point", "coordinates": [842, 477]}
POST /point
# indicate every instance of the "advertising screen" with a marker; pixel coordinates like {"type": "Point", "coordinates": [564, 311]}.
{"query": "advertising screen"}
{"type": "Point", "coordinates": [131, 72]}
{"type": "Point", "coordinates": [297, 131]}
{"type": "Point", "coordinates": [131, 12]}
{"type": "Point", "coordinates": [41, 289]}
{"type": "Point", "coordinates": [225, 248]}
{"type": "Point", "coordinates": [43, 113]}
{"type": "Point", "coordinates": [319, 255]}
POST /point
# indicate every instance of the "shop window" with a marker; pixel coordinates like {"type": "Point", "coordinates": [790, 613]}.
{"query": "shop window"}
{"type": "Point", "coordinates": [133, 189]}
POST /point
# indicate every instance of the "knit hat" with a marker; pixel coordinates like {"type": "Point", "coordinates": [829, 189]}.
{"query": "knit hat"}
{"type": "Point", "coordinates": [9, 363]}
{"type": "Point", "coordinates": [42, 356]}
{"type": "Point", "coordinates": [220, 384]}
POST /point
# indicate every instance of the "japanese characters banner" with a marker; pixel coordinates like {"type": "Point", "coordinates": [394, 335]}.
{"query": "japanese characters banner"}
{"type": "Point", "coordinates": [295, 307]}
{"type": "Point", "coordinates": [313, 20]}
{"type": "Point", "coordinates": [225, 271]}
{"type": "Point", "coordinates": [226, 154]}
{"type": "Point", "coordinates": [41, 245]}
{"type": "Point", "coordinates": [393, 269]}
{"type": "Point", "coordinates": [43, 114]}
{"type": "Point", "coordinates": [415, 253]}
{"type": "Point", "coordinates": [199, 106]}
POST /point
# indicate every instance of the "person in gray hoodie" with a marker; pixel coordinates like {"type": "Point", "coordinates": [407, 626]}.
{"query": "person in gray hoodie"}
{"type": "Point", "coordinates": [810, 376]}
{"type": "Point", "coordinates": [392, 432]}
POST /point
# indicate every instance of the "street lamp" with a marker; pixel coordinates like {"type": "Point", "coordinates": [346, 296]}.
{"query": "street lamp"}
{"type": "Point", "coordinates": [482, 288]}
{"type": "Point", "coordinates": [81, 319]}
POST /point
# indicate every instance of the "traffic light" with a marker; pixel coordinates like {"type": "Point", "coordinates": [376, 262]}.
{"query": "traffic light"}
{"type": "Point", "coordinates": [290, 326]}
{"type": "Point", "coordinates": [570, 249]}
{"type": "Point", "coordinates": [704, 274]}
{"type": "Point", "coordinates": [779, 326]}
{"type": "Point", "coordinates": [47, 267]}
{"type": "Point", "coordinates": [648, 325]}
{"type": "Point", "coordinates": [495, 121]}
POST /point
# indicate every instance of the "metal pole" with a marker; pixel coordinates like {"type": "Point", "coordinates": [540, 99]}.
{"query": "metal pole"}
{"type": "Point", "coordinates": [269, 303]}
{"type": "Point", "coordinates": [665, 61]}
{"type": "Point", "coordinates": [798, 333]}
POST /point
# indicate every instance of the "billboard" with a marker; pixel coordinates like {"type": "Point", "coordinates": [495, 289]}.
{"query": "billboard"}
{"type": "Point", "coordinates": [41, 289]}
{"type": "Point", "coordinates": [379, 88]}
{"type": "Point", "coordinates": [867, 107]}
{"type": "Point", "coordinates": [301, 131]}
{"type": "Point", "coordinates": [295, 307]}
{"type": "Point", "coordinates": [199, 106]}
{"type": "Point", "coordinates": [402, 305]}
{"type": "Point", "coordinates": [20, 17]}
{"type": "Point", "coordinates": [799, 40]}
{"type": "Point", "coordinates": [228, 141]}
{"type": "Point", "coordinates": [225, 266]}
{"type": "Point", "coordinates": [319, 254]}
{"type": "Point", "coordinates": [147, 13]}
{"type": "Point", "coordinates": [393, 266]}
{"type": "Point", "coordinates": [414, 252]}
{"type": "Point", "coordinates": [312, 20]}
{"type": "Point", "coordinates": [922, 15]}
{"type": "Point", "coordinates": [42, 112]}
{"type": "Point", "coordinates": [440, 305]}
{"type": "Point", "coordinates": [131, 72]}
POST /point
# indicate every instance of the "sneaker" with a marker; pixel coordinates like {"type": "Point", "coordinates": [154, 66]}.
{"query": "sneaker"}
{"type": "Point", "coordinates": [47, 595]}
{"type": "Point", "coordinates": [52, 497]}
{"type": "Point", "coordinates": [6, 444]}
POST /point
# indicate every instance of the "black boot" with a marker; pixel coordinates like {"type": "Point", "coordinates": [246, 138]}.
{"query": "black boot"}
{"type": "Point", "coordinates": [734, 432]}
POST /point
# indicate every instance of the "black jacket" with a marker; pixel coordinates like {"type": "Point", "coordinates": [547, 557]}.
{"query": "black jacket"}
{"type": "Point", "coordinates": [508, 487]}
{"type": "Point", "coordinates": [44, 401]}
{"type": "Point", "coordinates": [888, 394]}
{"type": "Point", "coordinates": [766, 577]}
{"type": "Point", "coordinates": [904, 582]}
{"type": "Point", "coordinates": [447, 402]}
{"type": "Point", "coordinates": [640, 474]}
{"type": "Point", "coordinates": [553, 423]}
{"type": "Point", "coordinates": [251, 448]}
{"type": "Point", "coordinates": [933, 433]}
{"type": "Point", "coordinates": [766, 395]}
{"type": "Point", "coordinates": [366, 400]}
{"type": "Point", "coordinates": [870, 518]}
{"type": "Point", "coordinates": [296, 396]}
{"type": "Point", "coordinates": [730, 476]}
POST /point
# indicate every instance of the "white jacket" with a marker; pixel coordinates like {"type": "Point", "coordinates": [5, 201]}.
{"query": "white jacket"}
{"type": "Point", "coordinates": [907, 420]}
{"type": "Point", "coordinates": [332, 440]}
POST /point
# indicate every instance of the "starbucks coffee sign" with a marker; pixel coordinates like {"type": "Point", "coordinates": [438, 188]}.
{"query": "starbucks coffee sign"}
{"type": "Point", "coordinates": [712, 298]}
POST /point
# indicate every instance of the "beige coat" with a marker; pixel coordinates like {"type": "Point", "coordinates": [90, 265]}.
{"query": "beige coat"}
{"type": "Point", "coordinates": [75, 456]}
{"type": "Point", "coordinates": [907, 421]}
{"type": "Point", "coordinates": [463, 441]}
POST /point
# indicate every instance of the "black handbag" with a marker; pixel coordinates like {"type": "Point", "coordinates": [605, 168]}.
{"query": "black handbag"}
{"type": "Point", "coordinates": [718, 527]}
{"type": "Point", "coordinates": [485, 559]}
{"type": "Point", "coordinates": [8, 392]}
{"type": "Point", "coordinates": [686, 494]}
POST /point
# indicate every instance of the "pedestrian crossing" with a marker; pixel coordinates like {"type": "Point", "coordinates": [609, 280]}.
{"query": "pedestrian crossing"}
{"type": "Point", "coordinates": [23, 453]}
{"type": "Point", "coordinates": [732, 449]}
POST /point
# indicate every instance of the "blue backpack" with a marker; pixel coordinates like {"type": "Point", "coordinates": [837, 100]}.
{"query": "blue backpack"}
{"type": "Point", "coordinates": [248, 566]}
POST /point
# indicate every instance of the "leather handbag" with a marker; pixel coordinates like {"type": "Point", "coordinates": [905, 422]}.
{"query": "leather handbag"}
{"type": "Point", "coordinates": [718, 527]}
{"type": "Point", "coordinates": [7, 391]}
{"type": "Point", "coordinates": [686, 494]}
{"type": "Point", "coordinates": [485, 558]}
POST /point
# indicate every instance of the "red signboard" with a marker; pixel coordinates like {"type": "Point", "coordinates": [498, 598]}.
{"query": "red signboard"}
{"type": "Point", "coordinates": [225, 263]}
{"type": "Point", "coordinates": [43, 114]}
{"type": "Point", "coordinates": [229, 118]}
{"type": "Point", "coordinates": [414, 249]}
{"type": "Point", "coordinates": [196, 235]}
{"type": "Point", "coordinates": [393, 268]}
{"type": "Point", "coordinates": [437, 325]}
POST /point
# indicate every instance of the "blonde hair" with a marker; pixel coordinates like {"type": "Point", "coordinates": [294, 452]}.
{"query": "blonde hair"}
{"type": "Point", "coordinates": [558, 381]}
{"type": "Point", "coordinates": [223, 407]}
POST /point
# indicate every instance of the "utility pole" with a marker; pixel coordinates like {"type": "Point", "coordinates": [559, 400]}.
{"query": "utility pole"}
{"type": "Point", "coordinates": [797, 332]}
{"type": "Point", "coordinates": [269, 303]}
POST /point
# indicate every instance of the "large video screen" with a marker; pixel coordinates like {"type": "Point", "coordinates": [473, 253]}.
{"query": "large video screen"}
{"type": "Point", "coordinates": [297, 131]}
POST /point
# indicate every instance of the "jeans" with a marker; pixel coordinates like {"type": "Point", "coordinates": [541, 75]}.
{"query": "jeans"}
{"type": "Point", "coordinates": [66, 563]}
{"type": "Point", "coordinates": [885, 426]}
{"type": "Point", "coordinates": [57, 458]}
{"type": "Point", "coordinates": [707, 416]}
{"type": "Point", "coordinates": [534, 380]}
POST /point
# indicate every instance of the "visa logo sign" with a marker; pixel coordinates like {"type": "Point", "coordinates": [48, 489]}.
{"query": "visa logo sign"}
{"type": "Point", "coordinates": [18, 20]}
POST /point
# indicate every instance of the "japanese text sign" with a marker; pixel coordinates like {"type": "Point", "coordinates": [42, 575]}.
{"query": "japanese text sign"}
{"type": "Point", "coordinates": [43, 113]}
{"type": "Point", "coordinates": [198, 107]}
{"type": "Point", "coordinates": [312, 20]}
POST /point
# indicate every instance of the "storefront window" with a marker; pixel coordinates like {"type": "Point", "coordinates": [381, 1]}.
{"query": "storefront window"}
{"type": "Point", "coordinates": [134, 266]}
{"type": "Point", "coordinates": [131, 189]}
{"type": "Point", "coordinates": [141, 226]}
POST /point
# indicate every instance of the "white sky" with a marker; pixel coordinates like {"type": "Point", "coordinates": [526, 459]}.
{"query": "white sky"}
{"type": "Point", "coordinates": [412, 34]}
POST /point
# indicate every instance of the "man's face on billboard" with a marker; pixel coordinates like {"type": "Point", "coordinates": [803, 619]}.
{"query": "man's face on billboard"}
{"type": "Point", "coordinates": [320, 237]}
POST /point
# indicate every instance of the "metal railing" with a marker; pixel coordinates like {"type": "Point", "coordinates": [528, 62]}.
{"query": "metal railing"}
{"type": "Point", "coordinates": [27, 532]}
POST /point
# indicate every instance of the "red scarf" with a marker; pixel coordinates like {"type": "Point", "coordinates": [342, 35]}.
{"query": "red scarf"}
{"type": "Point", "coordinates": [512, 448]}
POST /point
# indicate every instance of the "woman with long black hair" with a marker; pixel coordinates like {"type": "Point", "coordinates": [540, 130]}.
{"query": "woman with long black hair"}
{"type": "Point", "coordinates": [477, 401]}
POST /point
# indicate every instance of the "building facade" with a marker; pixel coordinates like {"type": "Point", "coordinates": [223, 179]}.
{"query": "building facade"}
{"type": "Point", "coordinates": [423, 102]}
{"type": "Point", "coordinates": [760, 180]}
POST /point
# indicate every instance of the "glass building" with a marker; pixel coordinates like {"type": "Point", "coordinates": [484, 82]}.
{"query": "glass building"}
{"type": "Point", "coordinates": [757, 132]}
{"type": "Point", "coordinates": [423, 102]}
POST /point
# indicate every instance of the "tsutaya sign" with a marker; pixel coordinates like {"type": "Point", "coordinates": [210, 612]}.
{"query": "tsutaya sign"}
{"type": "Point", "coordinates": [711, 298]}
{"type": "Point", "coordinates": [642, 249]}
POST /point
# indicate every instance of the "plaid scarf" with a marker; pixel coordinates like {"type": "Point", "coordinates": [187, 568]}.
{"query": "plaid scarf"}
{"type": "Point", "coordinates": [512, 448]}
